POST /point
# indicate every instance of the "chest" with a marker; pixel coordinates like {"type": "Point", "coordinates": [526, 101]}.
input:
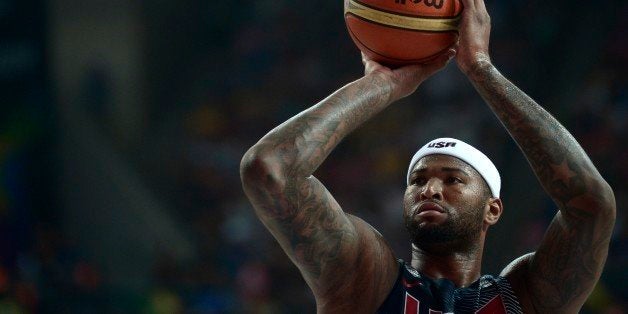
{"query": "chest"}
{"type": "Point", "coordinates": [414, 294]}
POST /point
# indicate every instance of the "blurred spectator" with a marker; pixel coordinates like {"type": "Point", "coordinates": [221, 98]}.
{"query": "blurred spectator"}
{"type": "Point", "coordinates": [224, 78]}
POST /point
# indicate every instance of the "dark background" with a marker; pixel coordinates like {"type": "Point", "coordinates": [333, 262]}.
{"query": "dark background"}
{"type": "Point", "coordinates": [122, 125]}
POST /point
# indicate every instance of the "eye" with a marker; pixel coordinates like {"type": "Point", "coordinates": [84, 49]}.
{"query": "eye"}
{"type": "Point", "coordinates": [453, 180]}
{"type": "Point", "coordinates": [418, 181]}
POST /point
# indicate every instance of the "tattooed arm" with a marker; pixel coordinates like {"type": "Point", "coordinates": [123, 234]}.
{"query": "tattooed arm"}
{"type": "Point", "coordinates": [344, 260]}
{"type": "Point", "coordinates": [560, 275]}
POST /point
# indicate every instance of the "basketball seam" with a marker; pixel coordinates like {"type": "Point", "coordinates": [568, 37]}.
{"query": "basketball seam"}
{"type": "Point", "coordinates": [407, 14]}
{"type": "Point", "coordinates": [398, 27]}
{"type": "Point", "coordinates": [401, 21]}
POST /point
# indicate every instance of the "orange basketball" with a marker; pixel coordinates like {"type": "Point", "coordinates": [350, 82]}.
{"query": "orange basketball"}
{"type": "Point", "coordinates": [398, 32]}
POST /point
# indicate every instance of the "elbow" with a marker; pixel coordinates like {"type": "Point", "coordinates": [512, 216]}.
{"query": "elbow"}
{"type": "Point", "coordinates": [602, 200]}
{"type": "Point", "coordinates": [259, 167]}
{"type": "Point", "coordinates": [607, 197]}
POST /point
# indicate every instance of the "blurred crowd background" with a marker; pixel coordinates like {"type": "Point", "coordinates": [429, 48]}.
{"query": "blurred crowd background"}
{"type": "Point", "coordinates": [122, 125]}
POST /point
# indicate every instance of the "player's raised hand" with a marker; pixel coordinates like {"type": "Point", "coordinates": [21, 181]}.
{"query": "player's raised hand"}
{"type": "Point", "coordinates": [474, 30]}
{"type": "Point", "coordinates": [406, 79]}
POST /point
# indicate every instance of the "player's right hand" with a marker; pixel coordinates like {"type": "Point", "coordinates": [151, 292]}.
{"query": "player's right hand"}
{"type": "Point", "coordinates": [406, 79]}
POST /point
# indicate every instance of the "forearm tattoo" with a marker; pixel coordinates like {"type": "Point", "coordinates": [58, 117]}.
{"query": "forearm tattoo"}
{"type": "Point", "coordinates": [572, 254]}
{"type": "Point", "coordinates": [306, 140]}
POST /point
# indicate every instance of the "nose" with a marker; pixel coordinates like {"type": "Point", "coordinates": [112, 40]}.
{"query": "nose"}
{"type": "Point", "coordinates": [433, 189]}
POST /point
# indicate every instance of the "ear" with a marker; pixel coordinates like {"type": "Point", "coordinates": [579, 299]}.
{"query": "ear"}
{"type": "Point", "coordinates": [494, 210]}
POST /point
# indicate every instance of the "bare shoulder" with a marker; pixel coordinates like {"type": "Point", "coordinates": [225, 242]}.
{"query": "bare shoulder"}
{"type": "Point", "coordinates": [516, 273]}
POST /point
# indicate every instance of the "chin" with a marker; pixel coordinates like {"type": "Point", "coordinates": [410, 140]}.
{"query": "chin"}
{"type": "Point", "coordinates": [428, 225]}
{"type": "Point", "coordinates": [431, 232]}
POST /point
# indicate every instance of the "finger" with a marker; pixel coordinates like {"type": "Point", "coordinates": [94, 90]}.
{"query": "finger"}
{"type": "Point", "coordinates": [446, 56]}
{"type": "Point", "coordinates": [363, 57]}
{"type": "Point", "coordinates": [371, 66]}
{"type": "Point", "coordinates": [479, 4]}
{"type": "Point", "coordinates": [455, 46]}
{"type": "Point", "coordinates": [470, 4]}
{"type": "Point", "coordinates": [440, 61]}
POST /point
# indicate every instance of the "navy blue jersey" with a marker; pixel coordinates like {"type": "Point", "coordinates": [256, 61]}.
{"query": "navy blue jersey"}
{"type": "Point", "coordinates": [414, 293]}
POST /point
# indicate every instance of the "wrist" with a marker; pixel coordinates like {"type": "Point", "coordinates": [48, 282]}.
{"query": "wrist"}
{"type": "Point", "coordinates": [478, 69]}
{"type": "Point", "coordinates": [383, 84]}
{"type": "Point", "coordinates": [479, 61]}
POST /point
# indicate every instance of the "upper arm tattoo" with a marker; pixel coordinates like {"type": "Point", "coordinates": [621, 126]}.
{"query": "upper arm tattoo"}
{"type": "Point", "coordinates": [307, 222]}
{"type": "Point", "coordinates": [567, 264]}
{"type": "Point", "coordinates": [319, 231]}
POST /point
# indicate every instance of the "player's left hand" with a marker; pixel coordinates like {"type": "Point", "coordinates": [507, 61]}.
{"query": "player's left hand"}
{"type": "Point", "coordinates": [475, 31]}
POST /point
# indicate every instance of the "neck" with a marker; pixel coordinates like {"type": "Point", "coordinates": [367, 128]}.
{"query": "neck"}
{"type": "Point", "coordinates": [461, 267]}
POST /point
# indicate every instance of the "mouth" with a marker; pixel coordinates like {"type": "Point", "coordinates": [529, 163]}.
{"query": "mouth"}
{"type": "Point", "coordinates": [429, 206]}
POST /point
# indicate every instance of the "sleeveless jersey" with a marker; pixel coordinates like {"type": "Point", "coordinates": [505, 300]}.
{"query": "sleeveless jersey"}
{"type": "Point", "coordinates": [414, 293]}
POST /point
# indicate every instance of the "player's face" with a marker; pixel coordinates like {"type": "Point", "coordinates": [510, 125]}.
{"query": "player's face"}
{"type": "Point", "coordinates": [445, 202]}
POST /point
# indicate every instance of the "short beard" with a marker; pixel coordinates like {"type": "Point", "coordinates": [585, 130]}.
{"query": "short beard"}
{"type": "Point", "coordinates": [456, 234]}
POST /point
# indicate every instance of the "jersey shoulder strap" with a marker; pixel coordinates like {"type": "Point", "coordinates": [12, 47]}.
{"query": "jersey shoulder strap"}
{"type": "Point", "coordinates": [490, 294]}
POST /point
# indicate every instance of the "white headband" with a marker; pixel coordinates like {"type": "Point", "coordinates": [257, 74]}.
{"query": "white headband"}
{"type": "Point", "coordinates": [465, 152]}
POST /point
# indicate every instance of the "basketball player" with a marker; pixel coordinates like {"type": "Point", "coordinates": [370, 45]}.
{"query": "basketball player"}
{"type": "Point", "coordinates": [451, 201]}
